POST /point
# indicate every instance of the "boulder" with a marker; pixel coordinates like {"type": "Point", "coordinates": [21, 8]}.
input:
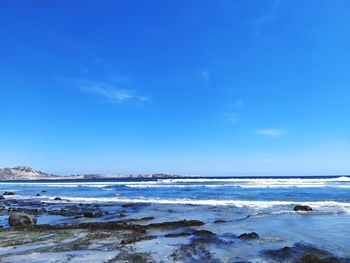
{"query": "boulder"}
{"type": "Point", "coordinates": [302, 208]}
{"type": "Point", "coordinates": [57, 199]}
{"type": "Point", "coordinates": [38, 195]}
{"type": "Point", "coordinates": [251, 235]}
{"type": "Point", "coordinates": [303, 253]}
{"type": "Point", "coordinates": [2, 197]}
{"type": "Point", "coordinates": [18, 219]}
{"type": "Point", "coordinates": [9, 193]}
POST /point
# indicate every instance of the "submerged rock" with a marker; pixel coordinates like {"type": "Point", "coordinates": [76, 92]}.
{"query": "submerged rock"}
{"type": "Point", "coordinates": [135, 238]}
{"type": "Point", "coordinates": [251, 235]}
{"type": "Point", "coordinates": [176, 224]}
{"type": "Point", "coordinates": [182, 234]}
{"type": "Point", "coordinates": [18, 219]}
{"type": "Point", "coordinates": [38, 195]}
{"type": "Point", "coordinates": [121, 215]}
{"type": "Point", "coordinates": [198, 250]}
{"type": "Point", "coordinates": [203, 233]}
{"type": "Point", "coordinates": [220, 221]}
{"type": "Point", "coordinates": [303, 253]}
{"type": "Point", "coordinates": [9, 193]}
{"type": "Point", "coordinates": [302, 208]}
{"type": "Point", "coordinates": [57, 199]}
{"type": "Point", "coordinates": [133, 258]}
{"type": "Point", "coordinates": [93, 214]}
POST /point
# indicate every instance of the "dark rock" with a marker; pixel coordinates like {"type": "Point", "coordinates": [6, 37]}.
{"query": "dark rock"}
{"type": "Point", "coordinates": [251, 235]}
{"type": "Point", "coordinates": [196, 251]}
{"type": "Point", "coordinates": [2, 197]}
{"type": "Point", "coordinates": [220, 221]}
{"type": "Point", "coordinates": [176, 224]}
{"type": "Point", "coordinates": [303, 253]}
{"type": "Point", "coordinates": [113, 225]}
{"type": "Point", "coordinates": [132, 258]}
{"type": "Point", "coordinates": [18, 219]}
{"type": "Point", "coordinates": [9, 193]}
{"type": "Point", "coordinates": [57, 199]}
{"type": "Point", "coordinates": [121, 215]}
{"type": "Point", "coordinates": [27, 210]}
{"type": "Point", "coordinates": [135, 238]}
{"type": "Point", "coordinates": [93, 214]}
{"type": "Point", "coordinates": [130, 205]}
{"type": "Point", "coordinates": [44, 191]}
{"type": "Point", "coordinates": [38, 195]}
{"type": "Point", "coordinates": [315, 259]}
{"type": "Point", "coordinates": [183, 234]}
{"type": "Point", "coordinates": [203, 233]}
{"type": "Point", "coordinates": [302, 208]}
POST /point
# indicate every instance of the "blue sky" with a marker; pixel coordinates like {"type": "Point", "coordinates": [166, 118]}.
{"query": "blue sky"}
{"type": "Point", "coordinates": [187, 87]}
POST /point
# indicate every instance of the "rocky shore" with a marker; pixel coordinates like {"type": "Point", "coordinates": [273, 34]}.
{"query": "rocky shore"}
{"type": "Point", "coordinates": [107, 232]}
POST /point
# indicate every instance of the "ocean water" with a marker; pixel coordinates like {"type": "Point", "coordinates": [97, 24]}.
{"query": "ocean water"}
{"type": "Point", "coordinates": [261, 204]}
{"type": "Point", "coordinates": [325, 194]}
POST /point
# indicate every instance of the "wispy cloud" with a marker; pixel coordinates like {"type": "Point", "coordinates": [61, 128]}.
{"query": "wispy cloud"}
{"type": "Point", "coordinates": [266, 17]}
{"type": "Point", "coordinates": [270, 132]}
{"type": "Point", "coordinates": [238, 103]}
{"type": "Point", "coordinates": [110, 91]}
{"type": "Point", "coordinates": [204, 74]}
{"type": "Point", "coordinates": [231, 118]}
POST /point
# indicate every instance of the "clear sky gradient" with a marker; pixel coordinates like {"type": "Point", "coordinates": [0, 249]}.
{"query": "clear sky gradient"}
{"type": "Point", "coordinates": [187, 87]}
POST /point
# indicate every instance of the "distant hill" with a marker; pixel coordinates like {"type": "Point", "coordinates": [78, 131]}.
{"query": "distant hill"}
{"type": "Point", "coordinates": [28, 173]}
{"type": "Point", "coordinates": [23, 172]}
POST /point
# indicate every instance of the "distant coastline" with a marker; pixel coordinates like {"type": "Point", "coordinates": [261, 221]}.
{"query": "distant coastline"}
{"type": "Point", "coordinates": [28, 173]}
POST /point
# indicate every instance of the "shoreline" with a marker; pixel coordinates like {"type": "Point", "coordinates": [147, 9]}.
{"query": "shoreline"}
{"type": "Point", "coordinates": [133, 232]}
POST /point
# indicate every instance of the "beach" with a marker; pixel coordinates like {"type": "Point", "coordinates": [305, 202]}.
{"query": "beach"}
{"type": "Point", "coordinates": [235, 219]}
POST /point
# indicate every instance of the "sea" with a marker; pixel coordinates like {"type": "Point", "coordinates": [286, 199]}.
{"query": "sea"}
{"type": "Point", "coordinates": [242, 204]}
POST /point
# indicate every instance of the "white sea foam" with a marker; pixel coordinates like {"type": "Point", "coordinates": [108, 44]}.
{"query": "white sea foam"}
{"type": "Point", "coordinates": [259, 180]}
{"type": "Point", "coordinates": [339, 182]}
{"type": "Point", "coordinates": [316, 205]}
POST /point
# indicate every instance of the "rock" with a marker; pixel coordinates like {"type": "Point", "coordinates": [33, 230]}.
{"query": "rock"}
{"type": "Point", "coordinates": [121, 215]}
{"type": "Point", "coordinates": [93, 214]}
{"type": "Point", "coordinates": [303, 253]}
{"type": "Point", "coordinates": [197, 250]}
{"type": "Point", "coordinates": [44, 191]}
{"type": "Point", "coordinates": [183, 234]}
{"type": "Point", "coordinates": [251, 235]}
{"type": "Point", "coordinates": [57, 199]}
{"type": "Point", "coordinates": [133, 258]}
{"type": "Point", "coordinates": [2, 197]}
{"type": "Point", "coordinates": [9, 193]}
{"type": "Point", "coordinates": [302, 208]}
{"type": "Point", "coordinates": [175, 224]}
{"type": "Point", "coordinates": [18, 219]}
{"type": "Point", "coordinates": [315, 259]}
{"type": "Point", "coordinates": [219, 221]}
{"type": "Point", "coordinates": [135, 238]}
{"type": "Point", "coordinates": [38, 195]}
{"type": "Point", "coordinates": [203, 233]}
